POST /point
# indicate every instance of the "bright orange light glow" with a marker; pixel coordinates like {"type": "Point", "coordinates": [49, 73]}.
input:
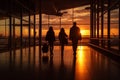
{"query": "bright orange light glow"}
{"type": "Point", "coordinates": [32, 32]}
{"type": "Point", "coordinates": [80, 69]}
{"type": "Point", "coordinates": [84, 32]}
{"type": "Point", "coordinates": [80, 59]}
{"type": "Point", "coordinates": [25, 32]}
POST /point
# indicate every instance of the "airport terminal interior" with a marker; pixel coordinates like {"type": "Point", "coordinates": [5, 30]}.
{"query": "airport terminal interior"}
{"type": "Point", "coordinates": [23, 27]}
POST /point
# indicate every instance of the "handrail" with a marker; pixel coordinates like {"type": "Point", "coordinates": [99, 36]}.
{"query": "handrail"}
{"type": "Point", "coordinates": [105, 38]}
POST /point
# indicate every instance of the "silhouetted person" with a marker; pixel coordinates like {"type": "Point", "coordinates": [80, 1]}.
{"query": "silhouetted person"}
{"type": "Point", "coordinates": [63, 39]}
{"type": "Point", "coordinates": [50, 37]}
{"type": "Point", "coordinates": [74, 36]}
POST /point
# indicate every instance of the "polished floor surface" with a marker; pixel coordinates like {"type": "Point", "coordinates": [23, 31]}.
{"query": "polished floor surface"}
{"type": "Point", "coordinates": [88, 64]}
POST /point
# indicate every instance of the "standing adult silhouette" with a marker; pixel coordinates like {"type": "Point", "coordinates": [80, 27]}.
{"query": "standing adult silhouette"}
{"type": "Point", "coordinates": [63, 39]}
{"type": "Point", "coordinates": [74, 36]}
{"type": "Point", "coordinates": [50, 37]}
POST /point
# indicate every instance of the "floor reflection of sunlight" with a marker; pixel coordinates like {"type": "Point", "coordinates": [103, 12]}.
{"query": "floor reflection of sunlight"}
{"type": "Point", "coordinates": [80, 58]}
{"type": "Point", "coordinates": [88, 64]}
{"type": "Point", "coordinates": [80, 69]}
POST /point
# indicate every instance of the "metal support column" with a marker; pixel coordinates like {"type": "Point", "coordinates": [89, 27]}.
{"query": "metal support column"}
{"type": "Point", "coordinates": [108, 34]}
{"type": "Point", "coordinates": [5, 28]}
{"type": "Point", "coordinates": [102, 20]}
{"type": "Point", "coordinates": [91, 19]}
{"type": "Point", "coordinates": [10, 28]}
{"type": "Point", "coordinates": [29, 31]}
{"type": "Point", "coordinates": [10, 33]}
{"type": "Point", "coordinates": [34, 29]}
{"type": "Point", "coordinates": [21, 28]}
{"type": "Point", "coordinates": [94, 20]}
{"type": "Point", "coordinates": [40, 31]}
{"type": "Point", "coordinates": [97, 18]}
{"type": "Point", "coordinates": [29, 36]}
{"type": "Point", "coordinates": [14, 40]}
{"type": "Point", "coordinates": [21, 37]}
{"type": "Point", "coordinates": [40, 35]}
{"type": "Point", "coordinates": [119, 26]}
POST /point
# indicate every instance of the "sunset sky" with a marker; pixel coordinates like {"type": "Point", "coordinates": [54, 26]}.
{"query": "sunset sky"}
{"type": "Point", "coordinates": [81, 16]}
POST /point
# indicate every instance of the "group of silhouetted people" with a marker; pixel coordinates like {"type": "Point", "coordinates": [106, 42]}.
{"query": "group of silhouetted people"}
{"type": "Point", "coordinates": [74, 36]}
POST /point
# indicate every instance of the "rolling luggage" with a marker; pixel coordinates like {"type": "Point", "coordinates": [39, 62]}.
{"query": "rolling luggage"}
{"type": "Point", "coordinates": [45, 48]}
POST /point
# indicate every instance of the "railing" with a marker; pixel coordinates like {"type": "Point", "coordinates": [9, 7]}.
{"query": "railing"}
{"type": "Point", "coordinates": [3, 42]}
{"type": "Point", "coordinates": [112, 44]}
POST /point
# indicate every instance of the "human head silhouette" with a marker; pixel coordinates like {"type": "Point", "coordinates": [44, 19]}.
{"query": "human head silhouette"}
{"type": "Point", "coordinates": [74, 23]}
{"type": "Point", "coordinates": [50, 28]}
{"type": "Point", "coordinates": [62, 30]}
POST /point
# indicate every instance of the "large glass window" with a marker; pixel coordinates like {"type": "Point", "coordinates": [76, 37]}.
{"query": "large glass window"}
{"type": "Point", "coordinates": [81, 15]}
{"type": "Point", "coordinates": [114, 29]}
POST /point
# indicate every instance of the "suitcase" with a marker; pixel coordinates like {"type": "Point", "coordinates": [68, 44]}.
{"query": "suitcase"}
{"type": "Point", "coordinates": [45, 48]}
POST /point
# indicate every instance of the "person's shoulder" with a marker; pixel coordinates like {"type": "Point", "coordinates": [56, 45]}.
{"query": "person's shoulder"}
{"type": "Point", "coordinates": [72, 27]}
{"type": "Point", "coordinates": [77, 27]}
{"type": "Point", "coordinates": [47, 32]}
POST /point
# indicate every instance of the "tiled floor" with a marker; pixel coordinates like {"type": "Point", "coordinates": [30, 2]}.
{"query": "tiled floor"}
{"type": "Point", "coordinates": [88, 64]}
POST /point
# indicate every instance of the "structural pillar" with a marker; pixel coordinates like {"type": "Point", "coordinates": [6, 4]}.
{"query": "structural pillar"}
{"type": "Point", "coordinates": [10, 33]}
{"type": "Point", "coordinates": [102, 21]}
{"type": "Point", "coordinates": [14, 40]}
{"type": "Point", "coordinates": [21, 28]}
{"type": "Point", "coordinates": [40, 30]}
{"type": "Point", "coordinates": [97, 18]}
{"type": "Point", "coordinates": [10, 27]}
{"type": "Point", "coordinates": [119, 26]}
{"type": "Point", "coordinates": [29, 31]}
{"type": "Point", "coordinates": [34, 29]}
{"type": "Point", "coordinates": [91, 19]}
{"type": "Point", "coordinates": [108, 34]}
{"type": "Point", "coordinates": [5, 28]}
{"type": "Point", "coordinates": [94, 19]}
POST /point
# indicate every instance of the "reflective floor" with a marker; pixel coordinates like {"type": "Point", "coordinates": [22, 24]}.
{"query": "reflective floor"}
{"type": "Point", "coordinates": [26, 64]}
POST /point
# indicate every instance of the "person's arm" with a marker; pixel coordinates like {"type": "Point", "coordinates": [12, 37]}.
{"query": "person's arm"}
{"type": "Point", "coordinates": [70, 34]}
{"type": "Point", "coordinates": [66, 35]}
{"type": "Point", "coordinates": [46, 37]}
{"type": "Point", "coordinates": [54, 36]}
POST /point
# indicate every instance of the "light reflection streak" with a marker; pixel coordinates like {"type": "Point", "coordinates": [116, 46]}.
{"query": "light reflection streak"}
{"type": "Point", "coordinates": [80, 59]}
{"type": "Point", "coordinates": [80, 69]}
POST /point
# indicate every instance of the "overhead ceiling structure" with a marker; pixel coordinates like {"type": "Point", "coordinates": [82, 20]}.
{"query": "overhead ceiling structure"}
{"type": "Point", "coordinates": [49, 7]}
{"type": "Point", "coordinates": [54, 7]}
